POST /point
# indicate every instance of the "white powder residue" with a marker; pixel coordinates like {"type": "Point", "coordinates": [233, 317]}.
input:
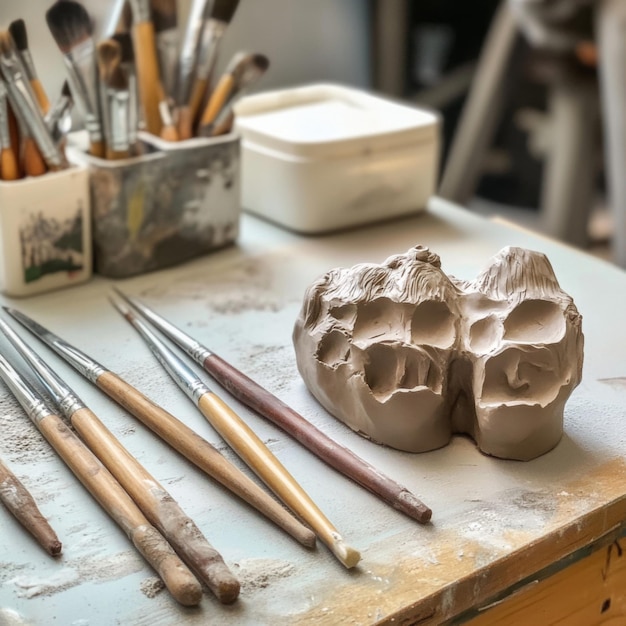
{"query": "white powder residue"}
{"type": "Point", "coordinates": [31, 586]}
{"type": "Point", "coordinates": [150, 587]}
{"type": "Point", "coordinates": [255, 574]}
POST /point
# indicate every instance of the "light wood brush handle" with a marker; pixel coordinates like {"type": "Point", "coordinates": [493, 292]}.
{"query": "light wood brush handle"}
{"type": "Point", "coordinates": [9, 169]}
{"type": "Point", "coordinates": [180, 582]}
{"type": "Point", "coordinates": [21, 504]}
{"type": "Point", "coordinates": [112, 155]}
{"type": "Point", "coordinates": [197, 96]}
{"type": "Point", "coordinates": [14, 133]}
{"type": "Point", "coordinates": [244, 441]}
{"type": "Point", "coordinates": [40, 94]}
{"type": "Point", "coordinates": [148, 78]}
{"type": "Point", "coordinates": [158, 506]}
{"type": "Point", "coordinates": [33, 163]}
{"type": "Point", "coordinates": [201, 453]}
{"type": "Point", "coordinates": [218, 99]}
{"type": "Point", "coordinates": [185, 123]}
{"type": "Point", "coordinates": [97, 149]}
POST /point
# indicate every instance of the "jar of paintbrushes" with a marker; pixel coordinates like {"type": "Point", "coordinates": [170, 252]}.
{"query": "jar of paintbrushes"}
{"type": "Point", "coordinates": [163, 160]}
{"type": "Point", "coordinates": [45, 223]}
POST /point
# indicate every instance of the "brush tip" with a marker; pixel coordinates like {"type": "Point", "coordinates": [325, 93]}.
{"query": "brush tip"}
{"type": "Point", "coordinates": [346, 554]}
{"type": "Point", "coordinates": [18, 32]}
{"type": "Point", "coordinates": [69, 23]}
{"type": "Point", "coordinates": [65, 90]}
{"type": "Point", "coordinates": [125, 42]}
{"type": "Point", "coordinates": [163, 14]}
{"type": "Point", "coordinates": [7, 45]}
{"type": "Point", "coordinates": [223, 10]}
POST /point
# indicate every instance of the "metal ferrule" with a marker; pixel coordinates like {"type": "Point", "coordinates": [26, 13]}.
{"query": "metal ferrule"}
{"type": "Point", "coordinates": [207, 54]}
{"type": "Point", "coordinates": [5, 135]}
{"type": "Point", "coordinates": [120, 107]}
{"type": "Point", "coordinates": [29, 399]}
{"type": "Point", "coordinates": [85, 365]}
{"type": "Point", "coordinates": [63, 395]}
{"type": "Point", "coordinates": [141, 10]}
{"type": "Point", "coordinates": [189, 48]}
{"type": "Point", "coordinates": [29, 66]}
{"type": "Point", "coordinates": [59, 119]}
{"type": "Point", "coordinates": [82, 74]}
{"type": "Point", "coordinates": [167, 49]}
{"type": "Point", "coordinates": [180, 373]}
{"type": "Point", "coordinates": [23, 99]}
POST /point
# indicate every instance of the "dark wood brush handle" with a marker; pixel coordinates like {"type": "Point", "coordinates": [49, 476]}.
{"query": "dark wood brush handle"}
{"type": "Point", "coordinates": [336, 455]}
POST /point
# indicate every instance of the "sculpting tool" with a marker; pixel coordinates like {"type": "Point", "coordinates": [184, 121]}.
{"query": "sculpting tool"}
{"type": "Point", "coordinates": [22, 505]}
{"type": "Point", "coordinates": [180, 582]}
{"type": "Point", "coordinates": [154, 501]}
{"type": "Point", "coordinates": [171, 430]}
{"type": "Point", "coordinates": [244, 441]}
{"type": "Point", "coordinates": [242, 72]}
{"type": "Point", "coordinates": [148, 77]}
{"type": "Point", "coordinates": [222, 12]}
{"type": "Point", "coordinates": [71, 28]}
{"type": "Point", "coordinates": [9, 169]}
{"type": "Point", "coordinates": [25, 105]}
{"type": "Point", "coordinates": [20, 36]}
{"type": "Point", "coordinates": [270, 407]}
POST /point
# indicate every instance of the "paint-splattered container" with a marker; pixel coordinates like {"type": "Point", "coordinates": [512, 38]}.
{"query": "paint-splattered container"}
{"type": "Point", "coordinates": [45, 232]}
{"type": "Point", "coordinates": [175, 202]}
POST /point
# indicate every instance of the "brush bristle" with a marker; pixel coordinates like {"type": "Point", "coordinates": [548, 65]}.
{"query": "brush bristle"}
{"type": "Point", "coordinates": [7, 45]}
{"type": "Point", "coordinates": [69, 23]}
{"type": "Point", "coordinates": [109, 56]}
{"type": "Point", "coordinates": [163, 14]}
{"type": "Point", "coordinates": [66, 91]}
{"type": "Point", "coordinates": [116, 79]}
{"type": "Point", "coordinates": [223, 10]}
{"type": "Point", "coordinates": [18, 32]}
{"type": "Point", "coordinates": [126, 45]}
{"type": "Point", "coordinates": [260, 61]}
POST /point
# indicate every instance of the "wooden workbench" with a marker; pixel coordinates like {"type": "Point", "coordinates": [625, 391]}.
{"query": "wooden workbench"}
{"type": "Point", "coordinates": [506, 537]}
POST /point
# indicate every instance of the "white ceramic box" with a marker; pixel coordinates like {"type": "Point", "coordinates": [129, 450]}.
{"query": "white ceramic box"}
{"type": "Point", "coordinates": [323, 157]}
{"type": "Point", "coordinates": [45, 232]}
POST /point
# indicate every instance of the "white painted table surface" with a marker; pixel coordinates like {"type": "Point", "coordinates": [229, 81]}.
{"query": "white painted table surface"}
{"type": "Point", "coordinates": [242, 303]}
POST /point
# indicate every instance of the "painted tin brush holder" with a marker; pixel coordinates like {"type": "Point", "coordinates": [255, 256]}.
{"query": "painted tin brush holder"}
{"type": "Point", "coordinates": [175, 202]}
{"type": "Point", "coordinates": [45, 232]}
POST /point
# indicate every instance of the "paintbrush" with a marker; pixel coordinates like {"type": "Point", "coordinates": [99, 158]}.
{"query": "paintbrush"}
{"type": "Point", "coordinates": [59, 117]}
{"type": "Point", "coordinates": [199, 12]}
{"type": "Point", "coordinates": [213, 30]}
{"type": "Point", "coordinates": [22, 505]}
{"type": "Point", "coordinates": [171, 430]}
{"type": "Point", "coordinates": [71, 28]}
{"type": "Point", "coordinates": [154, 501]}
{"type": "Point", "coordinates": [242, 72]}
{"type": "Point", "coordinates": [105, 489]}
{"type": "Point", "coordinates": [19, 34]}
{"type": "Point", "coordinates": [169, 132]}
{"type": "Point", "coordinates": [270, 407]}
{"type": "Point", "coordinates": [9, 169]}
{"type": "Point", "coordinates": [134, 106]}
{"type": "Point", "coordinates": [166, 31]}
{"type": "Point", "coordinates": [24, 103]}
{"type": "Point", "coordinates": [147, 64]}
{"type": "Point", "coordinates": [244, 441]}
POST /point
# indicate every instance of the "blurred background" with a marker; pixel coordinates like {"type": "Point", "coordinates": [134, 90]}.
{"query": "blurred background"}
{"type": "Point", "coordinates": [531, 150]}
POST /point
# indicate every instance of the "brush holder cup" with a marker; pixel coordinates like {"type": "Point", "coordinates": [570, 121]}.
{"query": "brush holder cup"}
{"type": "Point", "coordinates": [175, 202]}
{"type": "Point", "coordinates": [45, 232]}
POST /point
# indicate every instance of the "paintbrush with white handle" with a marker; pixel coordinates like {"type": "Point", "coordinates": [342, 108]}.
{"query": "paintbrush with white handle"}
{"type": "Point", "coordinates": [171, 430]}
{"type": "Point", "coordinates": [25, 105]}
{"type": "Point", "coordinates": [71, 28]}
{"type": "Point", "coordinates": [20, 36]}
{"type": "Point", "coordinates": [151, 497]}
{"type": "Point", "coordinates": [242, 439]}
{"type": "Point", "coordinates": [181, 583]}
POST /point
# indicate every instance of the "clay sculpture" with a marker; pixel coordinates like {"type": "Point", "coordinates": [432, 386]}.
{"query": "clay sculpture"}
{"type": "Point", "coordinates": [408, 356]}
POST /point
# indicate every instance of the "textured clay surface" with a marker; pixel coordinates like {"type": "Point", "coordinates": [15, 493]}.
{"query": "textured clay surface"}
{"type": "Point", "coordinates": [408, 356]}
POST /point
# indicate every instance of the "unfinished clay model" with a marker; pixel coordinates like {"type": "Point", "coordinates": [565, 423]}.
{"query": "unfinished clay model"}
{"type": "Point", "coordinates": [408, 356]}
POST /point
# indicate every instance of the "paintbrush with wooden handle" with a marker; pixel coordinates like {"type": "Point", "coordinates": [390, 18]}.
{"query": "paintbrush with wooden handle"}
{"type": "Point", "coordinates": [25, 105]}
{"type": "Point", "coordinates": [213, 30]}
{"type": "Point", "coordinates": [165, 21]}
{"type": "Point", "coordinates": [154, 501]}
{"type": "Point", "coordinates": [242, 72]}
{"type": "Point", "coordinates": [71, 28]}
{"type": "Point", "coordinates": [20, 36]}
{"type": "Point", "coordinates": [171, 430]}
{"type": "Point", "coordinates": [148, 77]}
{"type": "Point", "coordinates": [180, 582]}
{"type": "Point", "coordinates": [244, 441]}
{"type": "Point", "coordinates": [273, 409]}
{"type": "Point", "coordinates": [22, 505]}
{"type": "Point", "coordinates": [9, 169]}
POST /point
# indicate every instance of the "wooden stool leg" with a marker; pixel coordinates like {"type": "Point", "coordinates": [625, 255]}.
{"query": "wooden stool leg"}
{"type": "Point", "coordinates": [611, 36]}
{"type": "Point", "coordinates": [481, 112]}
{"type": "Point", "coordinates": [570, 169]}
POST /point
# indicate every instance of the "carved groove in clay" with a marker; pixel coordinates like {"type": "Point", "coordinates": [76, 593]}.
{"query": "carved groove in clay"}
{"type": "Point", "coordinates": [408, 356]}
